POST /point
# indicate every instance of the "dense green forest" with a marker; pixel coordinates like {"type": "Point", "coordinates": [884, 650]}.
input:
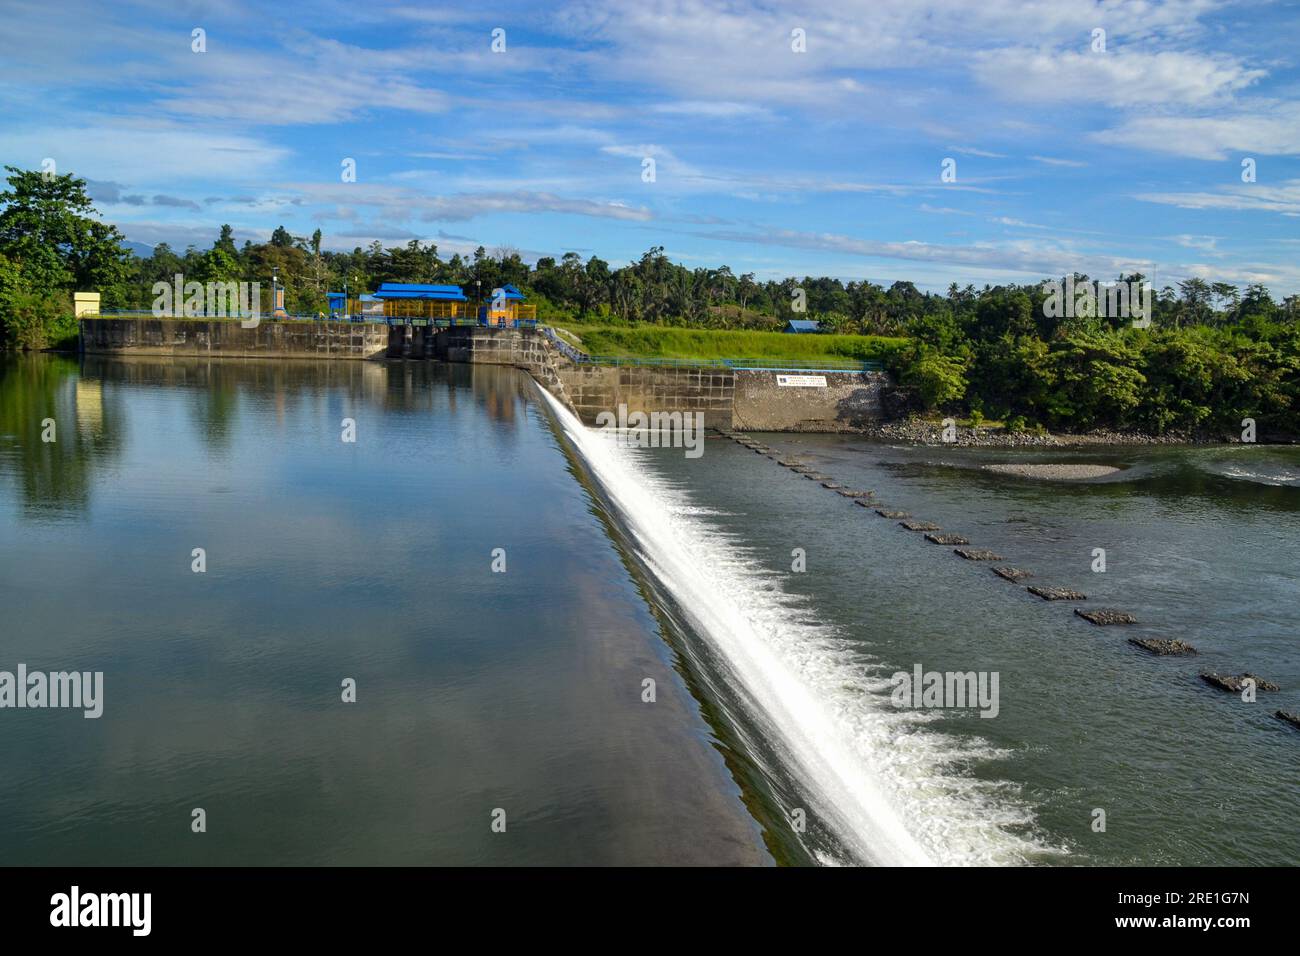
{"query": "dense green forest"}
{"type": "Point", "coordinates": [1214, 353]}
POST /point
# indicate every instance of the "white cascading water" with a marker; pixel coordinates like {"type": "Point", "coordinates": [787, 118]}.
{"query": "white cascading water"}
{"type": "Point", "coordinates": [884, 787]}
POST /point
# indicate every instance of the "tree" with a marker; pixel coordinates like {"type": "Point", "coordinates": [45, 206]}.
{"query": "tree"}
{"type": "Point", "coordinates": [937, 378]}
{"type": "Point", "coordinates": [1226, 294]}
{"type": "Point", "coordinates": [48, 229]}
{"type": "Point", "coordinates": [1196, 298]}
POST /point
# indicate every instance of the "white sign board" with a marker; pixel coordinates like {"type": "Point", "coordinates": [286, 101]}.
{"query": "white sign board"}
{"type": "Point", "coordinates": [802, 381]}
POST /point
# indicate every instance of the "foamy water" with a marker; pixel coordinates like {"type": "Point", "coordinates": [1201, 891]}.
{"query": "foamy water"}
{"type": "Point", "coordinates": [887, 784]}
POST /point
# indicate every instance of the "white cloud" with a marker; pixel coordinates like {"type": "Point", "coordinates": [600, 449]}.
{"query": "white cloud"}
{"type": "Point", "coordinates": [1203, 243]}
{"type": "Point", "coordinates": [1272, 133]}
{"type": "Point", "coordinates": [1018, 223]}
{"type": "Point", "coordinates": [1247, 197]}
{"type": "Point", "coordinates": [1127, 79]}
{"type": "Point", "coordinates": [972, 151]}
{"type": "Point", "coordinates": [397, 204]}
{"type": "Point", "coordinates": [144, 154]}
{"type": "Point", "coordinates": [712, 109]}
{"type": "Point", "coordinates": [1037, 257]}
{"type": "Point", "coordinates": [1057, 161]}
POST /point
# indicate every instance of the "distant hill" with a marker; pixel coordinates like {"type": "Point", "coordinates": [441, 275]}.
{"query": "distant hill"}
{"type": "Point", "coordinates": [141, 249]}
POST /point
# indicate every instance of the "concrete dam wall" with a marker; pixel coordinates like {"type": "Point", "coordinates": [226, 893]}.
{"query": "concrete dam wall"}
{"type": "Point", "coordinates": [228, 338]}
{"type": "Point", "coordinates": [776, 401]}
{"type": "Point", "coordinates": [742, 399]}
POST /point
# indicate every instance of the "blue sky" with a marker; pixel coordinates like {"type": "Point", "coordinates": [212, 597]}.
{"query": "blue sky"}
{"type": "Point", "coordinates": [823, 162]}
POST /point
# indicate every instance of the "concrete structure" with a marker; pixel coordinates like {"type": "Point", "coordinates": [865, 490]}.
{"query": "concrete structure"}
{"type": "Point", "coordinates": [745, 399]}
{"type": "Point", "coordinates": [806, 401]}
{"type": "Point", "coordinates": [593, 389]}
{"type": "Point", "coordinates": [85, 303]}
{"type": "Point", "coordinates": [228, 338]}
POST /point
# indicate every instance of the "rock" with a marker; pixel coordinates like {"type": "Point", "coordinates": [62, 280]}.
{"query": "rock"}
{"type": "Point", "coordinates": [977, 554]}
{"type": "Point", "coordinates": [831, 485]}
{"type": "Point", "coordinates": [1013, 575]}
{"type": "Point", "coordinates": [1104, 617]}
{"type": "Point", "coordinates": [815, 476]}
{"type": "Point", "coordinates": [1058, 594]}
{"type": "Point", "coordinates": [886, 513]}
{"type": "Point", "coordinates": [1065, 472]}
{"type": "Point", "coordinates": [851, 493]}
{"type": "Point", "coordinates": [920, 526]}
{"type": "Point", "coordinates": [1162, 646]}
{"type": "Point", "coordinates": [946, 539]}
{"type": "Point", "coordinates": [1237, 684]}
{"type": "Point", "coordinates": [863, 502]}
{"type": "Point", "coordinates": [1260, 683]}
{"type": "Point", "coordinates": [1292, 719]}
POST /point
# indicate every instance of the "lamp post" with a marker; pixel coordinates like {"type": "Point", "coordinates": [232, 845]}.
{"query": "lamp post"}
{"type": "Point", "coordinates": [478, 298]}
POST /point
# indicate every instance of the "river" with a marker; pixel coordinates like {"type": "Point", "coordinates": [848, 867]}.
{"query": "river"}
{"type": "Point", "coordinates": [649, 679]}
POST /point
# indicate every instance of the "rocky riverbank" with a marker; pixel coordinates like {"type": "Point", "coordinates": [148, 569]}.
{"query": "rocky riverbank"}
{"type": "Point", "coordinates": [917, 431]}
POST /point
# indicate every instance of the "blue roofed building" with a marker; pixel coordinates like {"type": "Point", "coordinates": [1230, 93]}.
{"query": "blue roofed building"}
{"type": "Point", "coordinates": [506, 308]}
{"type": "Point", "coordinates": [415, 290]}
{"type": "Point", "coordinates": [421, 304]}
{"type": "Point", "coordinates": [802, 325]}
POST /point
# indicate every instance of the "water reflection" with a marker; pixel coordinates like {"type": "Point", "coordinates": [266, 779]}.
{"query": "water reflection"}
{"type": "Point", "coordinates": [55, 478]}
{"type": "Point", "coordinates": [326, 560]}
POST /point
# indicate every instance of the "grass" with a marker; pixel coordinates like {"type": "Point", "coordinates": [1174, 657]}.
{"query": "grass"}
{"type": "Point", "coordinates": [656, 341]}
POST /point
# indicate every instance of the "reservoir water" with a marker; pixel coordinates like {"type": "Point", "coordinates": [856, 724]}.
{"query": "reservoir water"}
{"type": "Point", "coordinates": [525, 690]}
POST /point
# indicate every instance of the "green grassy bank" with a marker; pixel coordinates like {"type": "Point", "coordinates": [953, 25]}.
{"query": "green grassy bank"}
{"type": "Point", "coordinates": [654, 341]}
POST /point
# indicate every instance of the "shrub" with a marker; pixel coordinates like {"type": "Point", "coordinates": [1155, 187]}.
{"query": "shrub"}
{"type": "Point", "coordinates": [34, 320]}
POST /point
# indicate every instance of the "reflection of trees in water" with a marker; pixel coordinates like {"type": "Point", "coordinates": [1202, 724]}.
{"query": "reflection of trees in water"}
{"type": "Point", "coordinates": [90, 427]}
{"type": "Point", "coordinates": [212, 389]}
{"type": "Point", "coordinates": [86, 401]}
{"type": "Point", "coordinates": [215, 407]}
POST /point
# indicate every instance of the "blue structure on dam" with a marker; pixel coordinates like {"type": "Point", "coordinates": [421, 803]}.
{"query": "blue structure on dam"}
{"type": "Point", "coordinates": [410, 303]}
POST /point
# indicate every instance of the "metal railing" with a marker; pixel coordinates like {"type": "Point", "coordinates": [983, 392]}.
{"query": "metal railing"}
{"type": "Point", "coordinates": [149, 314]}
{"type": "Point", "coordinates": [441, 309]}
{"type": "Point", "coordinates": [442, 323]}
{"type": "Point", "coordinates": [572, 353]}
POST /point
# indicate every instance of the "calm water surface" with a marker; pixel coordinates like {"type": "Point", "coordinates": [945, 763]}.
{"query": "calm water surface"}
{"type": "Point", "coordinates": [329, 560]}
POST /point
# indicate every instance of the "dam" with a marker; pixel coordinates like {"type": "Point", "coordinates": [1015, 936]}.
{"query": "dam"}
{"type": "Point", "coordinates": [736, 395]}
